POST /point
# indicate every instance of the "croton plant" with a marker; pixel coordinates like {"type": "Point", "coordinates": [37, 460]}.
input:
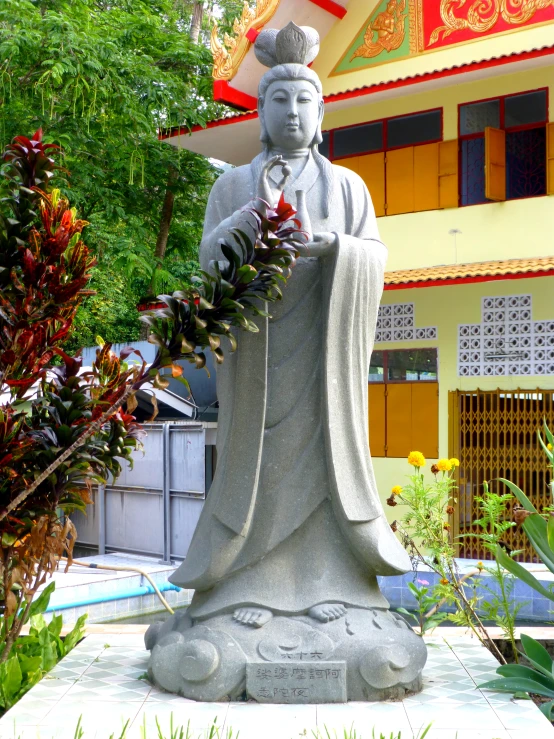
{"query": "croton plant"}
{"type": "Point", "coordinates": [63, 427]}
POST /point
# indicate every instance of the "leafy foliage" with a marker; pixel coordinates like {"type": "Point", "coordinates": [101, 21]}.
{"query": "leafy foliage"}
{"type": "Point", "coordinates": [539, 528]}
{"type": "Point", "coordinates": [256, 265]}
{"type": "Point", "coordinates": [46, 403]}
{"type": "Point", "coordinates": [102, 78]}
{"type": "Point", "coordinates": [426, 534]}
{"type": "Point", "coordinates": [498, 605]}
{"type": "Point", "coordinates": [36, 653]}
{"type": "Point", "coordinates": [538, 678]}
{"type": "Point", "coordinates": [425, 616]}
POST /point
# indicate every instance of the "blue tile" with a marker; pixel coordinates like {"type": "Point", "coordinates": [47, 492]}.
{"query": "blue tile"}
{"type": "Point", "coordinates": [542, 607]}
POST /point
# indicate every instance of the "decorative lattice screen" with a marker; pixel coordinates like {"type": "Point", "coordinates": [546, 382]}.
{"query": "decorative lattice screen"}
{"type": "Point", "coordinates": [494, 434]}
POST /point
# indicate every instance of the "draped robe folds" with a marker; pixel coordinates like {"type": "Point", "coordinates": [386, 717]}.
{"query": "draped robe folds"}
{"type": "Point", "coordinates": [293, 518]}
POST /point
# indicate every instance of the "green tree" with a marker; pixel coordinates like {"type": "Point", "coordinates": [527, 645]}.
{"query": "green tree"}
{"type": "Point", "coordinates": [100, 78]}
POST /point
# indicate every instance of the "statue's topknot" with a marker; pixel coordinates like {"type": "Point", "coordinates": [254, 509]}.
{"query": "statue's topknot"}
{"type": "Point", "coordinates": [291, 45]}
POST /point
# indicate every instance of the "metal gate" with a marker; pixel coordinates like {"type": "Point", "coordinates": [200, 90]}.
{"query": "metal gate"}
{"type": "Point", "coordinates": [494, 434]}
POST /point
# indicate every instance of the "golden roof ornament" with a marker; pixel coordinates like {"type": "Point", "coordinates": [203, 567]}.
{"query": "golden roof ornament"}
{"type": "Point", "coordinates": [228, 55]}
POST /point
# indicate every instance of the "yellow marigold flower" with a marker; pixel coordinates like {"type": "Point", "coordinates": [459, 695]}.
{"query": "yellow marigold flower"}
{"type": "Point", "coordinates": [480, 566]}
{"type": "Point", "coordinates": [416, 459]}
{"type": "Point", "coordinates": [455, 462]}
{"type": "Point", "coordinates": [549, 447]}
{"type": "Point", "coordinates": [396, 490]}
{"type": "Point", "coordinates": [444, 465]}
{"type": "Point", "coordinates": [444, 581]}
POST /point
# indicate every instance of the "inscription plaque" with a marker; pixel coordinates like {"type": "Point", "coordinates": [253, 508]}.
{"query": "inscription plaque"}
{"type": "Point", "coordinates": [296, 682]}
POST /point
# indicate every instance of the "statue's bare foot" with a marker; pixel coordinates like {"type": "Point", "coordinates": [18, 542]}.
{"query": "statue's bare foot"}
{"type": "Point", "coordinates": [252, 616]}
{"type": "Point", "coordinates": [327, 612]}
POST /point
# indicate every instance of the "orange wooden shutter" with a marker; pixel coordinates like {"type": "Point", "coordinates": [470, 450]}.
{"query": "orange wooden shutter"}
{"type": "Point", "coordinates": [550, 159]}
{"type": "Point", "coordinates": [495, 164]}
{"type": "Point", "coordinates": [371, 168]}
{"type": "Point", "coordinates": [448, 174]}
{"type": "Point", "coordinates": [377, 419]}
{"type": "Point", "coordinates": [426, 177]}
{"type": "Point", "coordinates": [399, 419]}
{"type": "Point", "coordinates": [400, 181]}
{"type": "Point", "coordinates": [349, 163]}
{"type": "Point", "coordinates": [425, 418]}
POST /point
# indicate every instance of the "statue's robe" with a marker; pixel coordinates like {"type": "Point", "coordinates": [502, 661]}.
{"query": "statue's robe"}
{"type": "Point", "coordinates": [293, 518]}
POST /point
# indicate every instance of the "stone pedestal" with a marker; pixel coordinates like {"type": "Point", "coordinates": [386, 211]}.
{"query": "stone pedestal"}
{"type": "Point", "coordinates": [368, 655]}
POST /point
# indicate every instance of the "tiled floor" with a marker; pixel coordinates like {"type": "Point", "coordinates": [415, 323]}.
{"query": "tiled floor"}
{"type": "Point", "coordinates": [100, 681]}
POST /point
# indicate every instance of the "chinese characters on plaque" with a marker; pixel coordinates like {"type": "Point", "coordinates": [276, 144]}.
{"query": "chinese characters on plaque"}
{"type": "Point", "coordinates": [299, 681]}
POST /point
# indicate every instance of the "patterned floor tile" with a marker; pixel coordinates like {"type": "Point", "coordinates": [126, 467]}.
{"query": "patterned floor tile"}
{"type": "Point", "coordinates": [30, 710]}
{"type": "Point", "coordinates": [95, 674]}
{"type": "Point", "coordinates": [98, 690]}
{"type": "Point", "coordinates": [474, 716]}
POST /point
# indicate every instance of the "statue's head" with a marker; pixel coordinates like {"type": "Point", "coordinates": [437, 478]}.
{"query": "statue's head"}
{"type": "Point", "coordinates": [290, 99]}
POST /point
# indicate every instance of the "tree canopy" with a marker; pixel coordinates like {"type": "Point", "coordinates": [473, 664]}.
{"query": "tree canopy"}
{"type": "Point", "coordinates": [100, 78]}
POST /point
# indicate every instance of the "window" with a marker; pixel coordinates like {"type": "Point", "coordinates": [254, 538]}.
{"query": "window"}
{"type": "Point", "coordinates": [390, 133]}
{"type": "Point", "coordinates": [399, 160]}
{"type": "Point", "coordinates": [511, 130]}
{"type": "Point", "coordinates": [403, 403]}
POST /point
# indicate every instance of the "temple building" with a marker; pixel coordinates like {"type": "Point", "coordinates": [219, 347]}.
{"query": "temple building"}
{"type": "Point", "coordinates": [443, 108]}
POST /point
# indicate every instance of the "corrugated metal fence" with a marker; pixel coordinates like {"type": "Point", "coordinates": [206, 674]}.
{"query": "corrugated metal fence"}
{"type": "Point", "coordinates": [153, 509]}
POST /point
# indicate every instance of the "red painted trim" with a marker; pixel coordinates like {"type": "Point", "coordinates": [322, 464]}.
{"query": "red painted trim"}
{"type": "Point", "coordinates": [252, 35]}
{"type": "Point", "coordinates": [183, 130]}
{"type": "Point", "coordinates": [469, 280]}
{"type": "Point", "coordinates": [451, 72]}
{"type": "Point", "coordinates": [224, 93]}
{"type": "Point", "coordinates": [383, 86]}
{"type": "Point", "coordinates": [331, 7]}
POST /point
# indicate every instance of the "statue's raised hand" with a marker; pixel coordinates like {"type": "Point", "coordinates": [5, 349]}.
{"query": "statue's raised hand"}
{"type": "Point", "coordinates": [266, 189]}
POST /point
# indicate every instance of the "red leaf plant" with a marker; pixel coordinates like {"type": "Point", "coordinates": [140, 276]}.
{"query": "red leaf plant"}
{"type": "Point", "coordinates": [63, 429]}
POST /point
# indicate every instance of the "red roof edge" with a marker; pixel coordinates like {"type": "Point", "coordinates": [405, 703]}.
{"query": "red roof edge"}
{"type": "Point", "coordinates": [242, 101]}
{"type": "Point", "coordinates": [438, 74]}
{"type": "Point", "coordinates": [224, 93]}
{"type": "Point", "coordinates": [331, 7]}
{"type": "Point", "coordinates": [467, 280]}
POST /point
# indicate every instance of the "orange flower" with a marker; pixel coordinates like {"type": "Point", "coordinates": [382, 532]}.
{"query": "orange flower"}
{"type": "Point", "coordinates": [444, 465]}
{"type": "Point", "coordinates": [444, 581]}
{"type": "Point", "coordinates": [450, 509]}
{"type": "Point", "coordinates": [416, 459]}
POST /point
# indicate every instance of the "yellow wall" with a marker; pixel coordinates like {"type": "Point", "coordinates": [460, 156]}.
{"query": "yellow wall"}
{"type": "Point", "coordinates": [447, 308]}
{"type": "Point", "coordinates": [342, 34]}
{"type": "Point", "coordinates": [458, 92]}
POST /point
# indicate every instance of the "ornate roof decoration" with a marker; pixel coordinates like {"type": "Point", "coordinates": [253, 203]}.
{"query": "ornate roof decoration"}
{"type": "Point", "coordinates": [228, 55]}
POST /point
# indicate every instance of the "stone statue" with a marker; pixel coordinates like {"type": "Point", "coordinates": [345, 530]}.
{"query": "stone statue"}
{"type": "Point", "coordinates": [292, 535]}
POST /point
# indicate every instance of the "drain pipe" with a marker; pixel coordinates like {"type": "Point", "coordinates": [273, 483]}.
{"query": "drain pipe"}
{"type": "Point", "coordinates": [132, 593]}
{"type": "Point", "coordinates": [127, 568]}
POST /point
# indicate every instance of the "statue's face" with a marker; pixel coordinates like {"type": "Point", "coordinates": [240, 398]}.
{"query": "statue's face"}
{"type": "Point", "coordinates": [291, 113]}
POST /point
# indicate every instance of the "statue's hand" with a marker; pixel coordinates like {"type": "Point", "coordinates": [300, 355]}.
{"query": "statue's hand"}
{"type": "Point", "coordinates": [322, 245]}
{"type": "Point", "coordinates": [266, 190]}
